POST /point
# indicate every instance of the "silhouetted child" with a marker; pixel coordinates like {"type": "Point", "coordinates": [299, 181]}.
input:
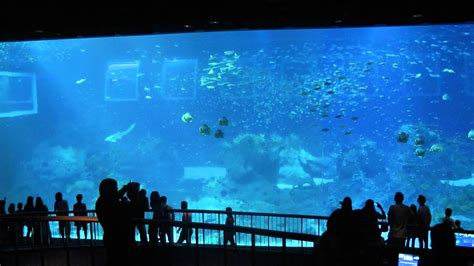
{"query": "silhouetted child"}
{"type": "Point", "coordinates": [186, 231]}
{"type": "Point", "coordinates": [229, 232]}
{"type": "Point", "coordinates": [19, 207]}
{"type": "Point", "coordinates": [80, 209]}
{"type": "Point", "coordinates": [62, 208]}
{"type": "Point", "coordinates": [11, 208]}
{"type": "Point", "coordinates": [447, 218]}
{"type": "Point", "coordinates": [458, 225]}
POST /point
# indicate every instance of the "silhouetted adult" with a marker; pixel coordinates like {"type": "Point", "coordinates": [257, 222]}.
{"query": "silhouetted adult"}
{"type": "Point", "coordinates": [423, 218]}
{"type": "Point", "coordinates": [155, 206]}
{"type": "Point", "coordinates": [42, 231]}
{"type": "Point", "coordinates": [186, 230]}
{"type": "Point", "coordinates": [168, 216]}
{"type": "Point", "coordinates": [398, 216]}
{"type": "Point", "coordinates": [19, 211]}
{"type": "Point", "coordinates": [229, 232]}
{"type": "Point", "coordinates": [372, 218]}
{"type": "Point", "coordinates": [3, 225]}
{"type": "Point", "coordinates": [29, 208]}
{"type": "Point", "coordinates": [443, 242]}
{"type": "Point", "coordinates": [12, 226]}
{"type": "Point", "coordinates": [80, 209]}
{"type": "Point", "coordinates": [116, 219]}
{"type": "Point", "coordinates": [338, 242]}
{"type": "Point", "coordinates": [138, 207]}
{"type": "Point", "coordinates": [412, 227]}
{"type": "Point", "coordinates": [61, 207]}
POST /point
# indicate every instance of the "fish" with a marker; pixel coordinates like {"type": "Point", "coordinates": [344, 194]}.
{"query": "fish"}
{"type": "Point", "coordinates": [119, 134]}
{"type": "Point", "coordinates": [448, 70]}
{"type": "Point", "coordinates": [80, 81]}
{"type": "Point", "coordinates": [325, 129]}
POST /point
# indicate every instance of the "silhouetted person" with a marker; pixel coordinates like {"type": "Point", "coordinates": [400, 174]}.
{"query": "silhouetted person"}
{"type": "Point", "coordinates": [116, 219]}
{"type": "Point", "coordinates": [443, 242]}
{"type": "Point", "coordinates": [412, 227]}
{"type": "Point", "coordinates": [447, 218]}
{"type": "Point", "coordinates": [229, 232]}
{"type": "Point", "coordinates": [337, 243]}
{"type": "Point", "coordinates": [11, 208]}
{"type": "Point", "coordinates": [42, 231]}
{"type": "Point", "coordinates": [458, 225]}
{"type": "Point", "coordinates": [423, 218]}
{"type": "Point", "coordinates": [61, 208]}
{"type": "Point", "coordinates": [186, 231]}
{"type": "Point", "coordinates": [142, 195]}
{"type": "Point", "coordinates": [138, 207]}
{"type": "Point", "coordinates": [372, 219]}
{"type": "Point", "coordinates": [12, 226]}
{"type": "Point", "coordinates": [19, 211]}
{"type": "Point", "coordinates": [155, 206]}
{"type": "Point", "coordinates": [3, 225]}
{"type": "Point", "coordinates": [168, 216]}
{"type": "Point", "coordinates": [29, 208]}
{"type": "Point", "coordinates": [398, 216]}
{"type": "Point", "coordinates": [80, 209]}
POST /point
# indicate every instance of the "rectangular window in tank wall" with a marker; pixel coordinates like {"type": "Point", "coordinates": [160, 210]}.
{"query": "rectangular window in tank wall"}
{"type": "Point", "coordinates": [121, 81]}
{"type": "Point", "coordinates": [17, 94]}
{"type": "Point", "coordinates": [179, 79]}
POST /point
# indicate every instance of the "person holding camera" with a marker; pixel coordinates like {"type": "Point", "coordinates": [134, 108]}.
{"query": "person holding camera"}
{"type": "Point", "coordinates": [115, 217]}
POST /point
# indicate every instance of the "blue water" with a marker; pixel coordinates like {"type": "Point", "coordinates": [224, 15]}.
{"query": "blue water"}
{"type": "Point", "coordinates": [314, 116]}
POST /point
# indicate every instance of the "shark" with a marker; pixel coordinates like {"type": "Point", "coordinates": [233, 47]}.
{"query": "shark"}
{"type": "Point", "coordinates": [119, 134]}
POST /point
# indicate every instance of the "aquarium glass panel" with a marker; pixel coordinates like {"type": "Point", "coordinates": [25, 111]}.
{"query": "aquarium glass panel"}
{"type": "Point", "coordinates": [284, 121]}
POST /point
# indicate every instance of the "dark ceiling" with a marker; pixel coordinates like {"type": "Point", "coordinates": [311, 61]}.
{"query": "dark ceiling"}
{"type": "Point", "coordinates": [85, 20]}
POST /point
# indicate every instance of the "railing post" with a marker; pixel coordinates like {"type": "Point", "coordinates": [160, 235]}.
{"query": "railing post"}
{"type": "Point", "coordinates": [197, 245]}
{"type": "Point", "coordinates": [92, 244]}
{"type": "Point", "coordinates": [203, 231]}
{"type": "Point", "coordinates": [315, 257]}
{"type": "Point", "coordinates": [66, 243]}
{"type": "Point", "coordinates": [301, 231]}
{"type": "Point", "coordinates": [219, 231]}
{"type": "Point", "coordinates": [41, 242]}
{"type": "Point", "coordinates": [253, 249]}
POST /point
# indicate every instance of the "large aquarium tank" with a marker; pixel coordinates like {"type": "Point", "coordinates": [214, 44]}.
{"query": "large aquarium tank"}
{"type": "Point", "coordinates": [285, 121]}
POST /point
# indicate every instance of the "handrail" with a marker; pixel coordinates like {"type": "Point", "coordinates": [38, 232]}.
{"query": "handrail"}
{"type": "Point", "coordinates": [212, 226]}
{"type": "Point", "coordinates": [282, 215]}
